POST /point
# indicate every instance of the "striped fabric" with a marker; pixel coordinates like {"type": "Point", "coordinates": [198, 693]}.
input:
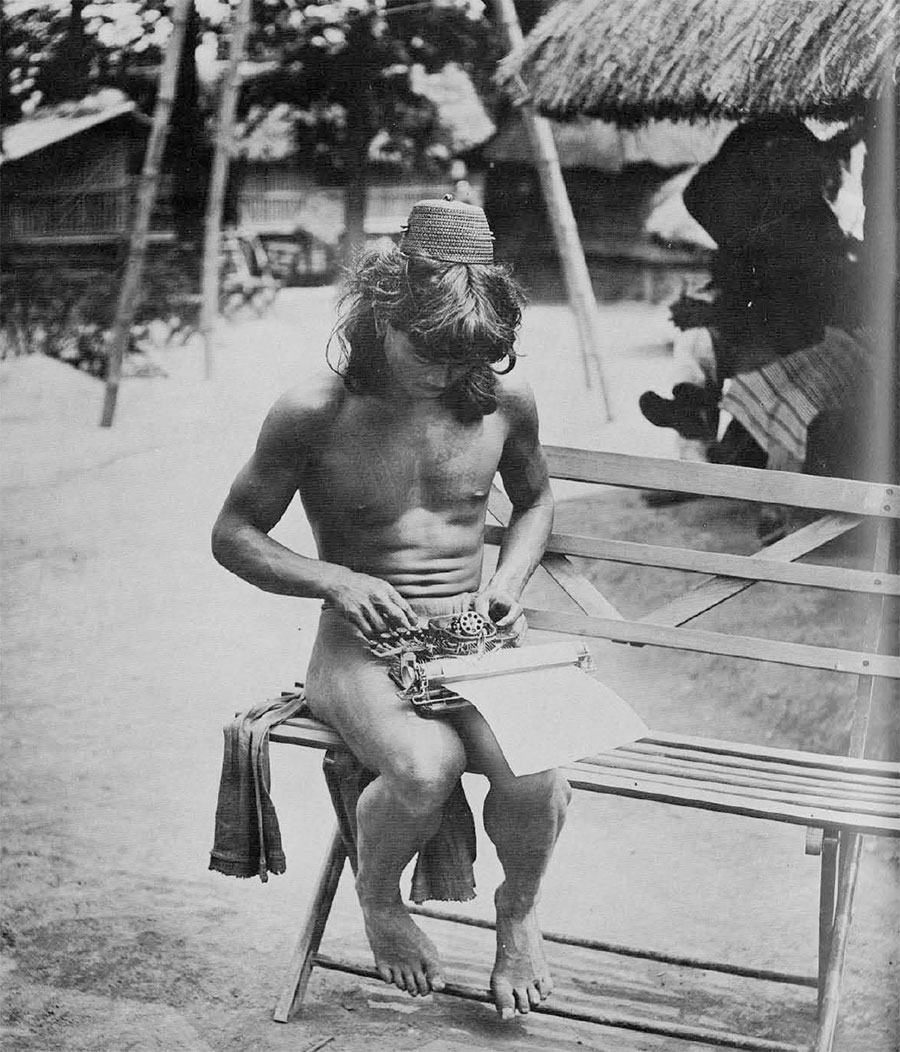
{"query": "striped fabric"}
{"type": "Point", "coordinates": [778, 402]}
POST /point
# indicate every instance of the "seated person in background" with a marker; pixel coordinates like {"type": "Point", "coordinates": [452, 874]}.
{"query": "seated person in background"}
{"type": "Point", "coordinates": [393, 457]}
{"type": "Point", "coordinates": [783, 274]}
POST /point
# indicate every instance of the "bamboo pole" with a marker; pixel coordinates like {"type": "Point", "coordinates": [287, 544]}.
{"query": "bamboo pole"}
{"type": "Point", "coordinates": [209, 294]}
{"type": "Point", "coordinates": [149, 181]}
{"type": "Point", "coordinates": [562, 219]}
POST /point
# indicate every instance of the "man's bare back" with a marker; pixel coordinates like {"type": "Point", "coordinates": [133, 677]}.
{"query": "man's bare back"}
{"type": "Point", "coordinates": [394, 472]}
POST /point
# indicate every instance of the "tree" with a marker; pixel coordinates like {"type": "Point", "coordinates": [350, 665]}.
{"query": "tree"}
{"type": "Point", "coordinates": [29, 42]}
{"type": "Point", "coordinates": [67, 73]}
{"type": "Point", "coordinates": [52, 54]}
{"type": "Point", "coordinates": [349, 64]}
{"type": "Point", "coordinates": [188, 151]}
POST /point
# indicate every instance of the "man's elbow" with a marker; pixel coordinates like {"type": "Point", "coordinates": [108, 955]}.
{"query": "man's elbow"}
{"type": "Point", "coordinates": [222, 543]}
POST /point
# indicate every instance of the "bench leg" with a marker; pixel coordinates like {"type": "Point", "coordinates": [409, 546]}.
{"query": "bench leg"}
{"type": "Point", "coordinates": [313, 930]}
{"type": "Point", "coordinates": [827, 890]}
{"type": "Point", "coordinates": [850, 850]}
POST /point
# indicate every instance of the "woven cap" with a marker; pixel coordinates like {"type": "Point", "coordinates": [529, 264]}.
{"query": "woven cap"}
{"type": "Point", "coordinates": [449, 230]}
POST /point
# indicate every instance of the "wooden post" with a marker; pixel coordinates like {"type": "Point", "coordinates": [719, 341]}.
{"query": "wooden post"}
{"type": "Point", "coordinates": [137, 248]}
{"type": "Point", "coordinates": [209, 293]}
{"type": "Point", "coordinates": [358, 77]}
{"type": "Point", "coordinates": [565, 229]}
{"type": "Point", "coordinates": [881, 264]}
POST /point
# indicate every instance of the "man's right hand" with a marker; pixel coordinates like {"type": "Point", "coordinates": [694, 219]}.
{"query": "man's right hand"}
{"type": "Point", "coordinates": [370, 604]}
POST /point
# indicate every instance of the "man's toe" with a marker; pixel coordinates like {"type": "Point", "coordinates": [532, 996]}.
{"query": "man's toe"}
{"type": "Point", "coordinates": [422, 984]}
{"type": "Point", "coordinates": [503, 998]}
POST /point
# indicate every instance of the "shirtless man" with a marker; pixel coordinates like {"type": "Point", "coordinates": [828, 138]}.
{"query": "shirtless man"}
{"type": "Point", "coordinates": [393, 458]}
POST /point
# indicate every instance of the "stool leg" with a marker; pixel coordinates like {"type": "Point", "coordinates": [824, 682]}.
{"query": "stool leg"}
{"type": "Point", "coordinates": [313, 930]}
{"type": "Point", "coordinates": [827, 889]}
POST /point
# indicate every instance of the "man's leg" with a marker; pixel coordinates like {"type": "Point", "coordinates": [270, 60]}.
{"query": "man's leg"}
{"type": "Point", "coordinates": [418, 763]}
{"type": "Point", "coordinates": [523, 816]}
{"type": "Point", "coordinates": [396, 815]}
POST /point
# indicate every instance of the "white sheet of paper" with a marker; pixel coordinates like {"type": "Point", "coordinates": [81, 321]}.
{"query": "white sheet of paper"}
{"type": "Point", "coordinates": [550, 717]}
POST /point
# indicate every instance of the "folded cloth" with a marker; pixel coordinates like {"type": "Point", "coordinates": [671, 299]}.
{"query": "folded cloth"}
{"type": "Point", "coordinates": [247, 840]}
{"type": "Point", "coordinates": [778, 402]}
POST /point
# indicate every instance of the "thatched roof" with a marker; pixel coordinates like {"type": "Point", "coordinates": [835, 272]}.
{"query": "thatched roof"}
{"type": "Point", "coordinates": [628, 60]}
{"type": "Point", "coordinates": [53, 124]}
{"type": "Point", "coordinates": [587, 143]}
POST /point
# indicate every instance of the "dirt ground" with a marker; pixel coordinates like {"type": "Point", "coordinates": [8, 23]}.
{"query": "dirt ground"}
{"type": "Point", "coordinates": [125, 648]}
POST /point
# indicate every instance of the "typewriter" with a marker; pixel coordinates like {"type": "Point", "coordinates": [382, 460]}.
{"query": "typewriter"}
{"type": "Point", "coordinates": [408, 654]}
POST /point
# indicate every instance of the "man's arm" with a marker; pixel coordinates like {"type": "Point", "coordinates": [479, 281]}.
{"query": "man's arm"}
{"type": "Point", "coordinates": [523, 469]}
{"type": "Point", "coordinates": [259, 497]}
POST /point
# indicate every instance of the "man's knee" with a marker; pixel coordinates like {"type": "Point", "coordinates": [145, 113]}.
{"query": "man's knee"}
{"type": "Point", "coordinates": [426, 776]}
{"type": "Point", "coordinates": [545, 789]}
{"type": "Point", "coordinates": [554, 788]}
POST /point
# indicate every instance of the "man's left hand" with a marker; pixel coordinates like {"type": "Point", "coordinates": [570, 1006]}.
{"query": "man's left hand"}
{"type": "Point", "coordinates": [503, 609]}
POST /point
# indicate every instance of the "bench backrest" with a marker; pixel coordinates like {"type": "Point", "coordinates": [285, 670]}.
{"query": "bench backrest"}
{"type": "Point", "coordinates": [844, 503]}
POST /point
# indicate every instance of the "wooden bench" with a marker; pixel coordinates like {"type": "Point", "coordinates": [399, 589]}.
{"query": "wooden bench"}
{"type": "Point", "coordinates": [837, 798]}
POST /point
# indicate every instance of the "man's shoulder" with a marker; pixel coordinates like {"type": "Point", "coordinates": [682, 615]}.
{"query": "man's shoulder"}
{"type": "Point", "coordinates": [311, 403]}
{"type": "Point", "coordinates": [515, 395]}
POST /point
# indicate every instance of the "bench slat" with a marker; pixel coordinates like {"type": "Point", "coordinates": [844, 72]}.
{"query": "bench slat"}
{"type": "Point", "coordinates": [647, 788]}
{"type": "Point", "coordinates": [757, 485]}
{"type": "Point", "coordinates": [739, 764]}
{"type": "Point", "coordinates": [802, 655]}
{"type": "Point", "coordinates": [713, 591]}
{"type": "Point", "coordinates": [877, 793]}
{"type": "Point", "coordinates": [792, 757]}
{"type": "Point", "coordinates": [886, 806]}
{"type": "Point", "coordinates": [754, 567]}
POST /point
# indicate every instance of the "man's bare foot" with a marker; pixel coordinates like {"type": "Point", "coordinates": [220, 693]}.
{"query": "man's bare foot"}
{"type": "Point", "coordinates": [404, 955]}
{"type": "Point", "coordinates": [521, 978]}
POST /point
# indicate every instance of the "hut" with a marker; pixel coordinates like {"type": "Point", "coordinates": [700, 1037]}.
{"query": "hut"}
{"type": "Point", "coordinates": [71, 175]}
{"type": "Point", "coordinates": [615, 178]}
{"type": "Point", "coordinates": [633, 61]}
{"type": "Point", "coordinates": [70, 179]}
{"type": "Point", "coordinates": [830, 60]}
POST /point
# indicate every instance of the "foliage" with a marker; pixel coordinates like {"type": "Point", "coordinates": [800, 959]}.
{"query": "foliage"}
{"type": "Point", "coordinates": [28, 41]}
{"type": "Point", "coordinates": [330, 58]}
{"type": "Point", "coordinates": [314, 56]}
{"type": "Point", "coordinates": [107, 39]}
{"type": "Point", "coordinates": [66, 312]}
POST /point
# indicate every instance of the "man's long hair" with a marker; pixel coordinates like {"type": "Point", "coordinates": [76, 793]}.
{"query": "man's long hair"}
{"type": "Point", "coordinates": [464, 313]}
